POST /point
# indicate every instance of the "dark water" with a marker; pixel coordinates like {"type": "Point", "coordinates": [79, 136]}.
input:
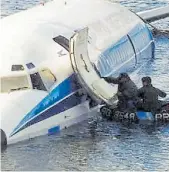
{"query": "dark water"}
{"type": "Point", "coordinates": [114, 146]}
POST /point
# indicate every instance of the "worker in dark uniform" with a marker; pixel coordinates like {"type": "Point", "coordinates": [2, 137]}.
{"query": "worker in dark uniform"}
{"type": "Point", "coordinates": [127, 91]}
{"type": "Point", "coordinates": [149, 96]}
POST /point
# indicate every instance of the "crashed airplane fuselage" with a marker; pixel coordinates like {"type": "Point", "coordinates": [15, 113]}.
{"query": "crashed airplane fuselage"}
{"type": "Point", "coordinates": [39, 91]}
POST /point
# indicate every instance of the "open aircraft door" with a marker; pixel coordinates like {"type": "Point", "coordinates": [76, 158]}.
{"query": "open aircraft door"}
{"type": "Point", "coordinates": [97, 88]}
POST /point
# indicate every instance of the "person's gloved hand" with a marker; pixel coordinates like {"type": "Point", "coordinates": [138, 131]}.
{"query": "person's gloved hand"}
{"type": "Point", "coordinates": [119, 93]}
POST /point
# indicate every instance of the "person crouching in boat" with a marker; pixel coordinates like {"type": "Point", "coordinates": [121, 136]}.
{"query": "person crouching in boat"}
{"type": "Point", "coordinates": [127, 92]}
{"type": "Point", "coordinates": [149, 96]}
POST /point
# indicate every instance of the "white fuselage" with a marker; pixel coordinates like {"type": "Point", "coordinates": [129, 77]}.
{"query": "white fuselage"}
{"type": "Point", "coordinates": [30, 108]}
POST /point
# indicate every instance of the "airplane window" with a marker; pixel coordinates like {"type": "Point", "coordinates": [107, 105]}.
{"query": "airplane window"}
{"type": "Point", "coordinates": [17, 67]}
{"type": "Point", "coordinates": [37, 82]}
{"type": "Point", "coordinates": [30, 65]}
{"type": "Point", "coordinates": [48, 78]}
{"type": "Point", "coordinates": [61, 40]}
{"type": "Point", "coordinates": [14, 83]}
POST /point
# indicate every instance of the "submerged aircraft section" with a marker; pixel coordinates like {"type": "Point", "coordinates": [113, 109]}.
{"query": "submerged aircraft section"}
{"type": "Point", "coordinates": [130, 52]}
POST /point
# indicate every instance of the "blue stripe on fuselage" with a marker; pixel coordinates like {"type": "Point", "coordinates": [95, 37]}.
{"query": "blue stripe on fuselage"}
{"type": "Point", "coordinates": [39, 112]}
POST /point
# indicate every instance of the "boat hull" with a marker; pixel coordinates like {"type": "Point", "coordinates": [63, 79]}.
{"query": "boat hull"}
{"type": "Point", "coordinates": [113, 114]}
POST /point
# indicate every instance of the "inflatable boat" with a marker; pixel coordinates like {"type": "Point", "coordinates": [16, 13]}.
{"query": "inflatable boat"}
{"type": "Point", "coordinates": [111, 113]}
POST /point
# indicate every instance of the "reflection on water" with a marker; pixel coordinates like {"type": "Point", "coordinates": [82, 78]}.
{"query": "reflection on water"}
{"type": "Point", "coordinates": [112, 146]}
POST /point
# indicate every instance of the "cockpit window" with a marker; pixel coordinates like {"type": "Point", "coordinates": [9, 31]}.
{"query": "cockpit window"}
{"type": "Point", "coordinates": [61, 40]}
{"type": "Point", "coordinates": [41, 80]}
{"type": "Point", "coordinates": [48, 78]}
{"type": "Point", "coordinates": [13, 83]}
{"type": "Point", "coordinates": [17, 67]}
{"type": "Point", "coordinates": [30, 65]}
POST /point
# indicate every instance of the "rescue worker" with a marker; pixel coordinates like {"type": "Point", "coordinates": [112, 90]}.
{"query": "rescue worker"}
{"type": "Point", "coordinates": [127, 91]}
{"type": "Point", "coordinates": [149, 96]}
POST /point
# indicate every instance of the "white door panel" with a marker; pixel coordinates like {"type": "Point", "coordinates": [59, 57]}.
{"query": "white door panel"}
{"type": "Point", "coordinates": [96, 87]}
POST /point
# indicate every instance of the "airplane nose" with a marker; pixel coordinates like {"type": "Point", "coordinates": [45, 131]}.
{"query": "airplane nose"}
{"type": "Point", "coordinates": [14, 107]}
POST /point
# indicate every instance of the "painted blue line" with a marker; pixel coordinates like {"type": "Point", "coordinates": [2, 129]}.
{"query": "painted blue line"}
{"type": "Point", "coordinates": [64, 89]}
